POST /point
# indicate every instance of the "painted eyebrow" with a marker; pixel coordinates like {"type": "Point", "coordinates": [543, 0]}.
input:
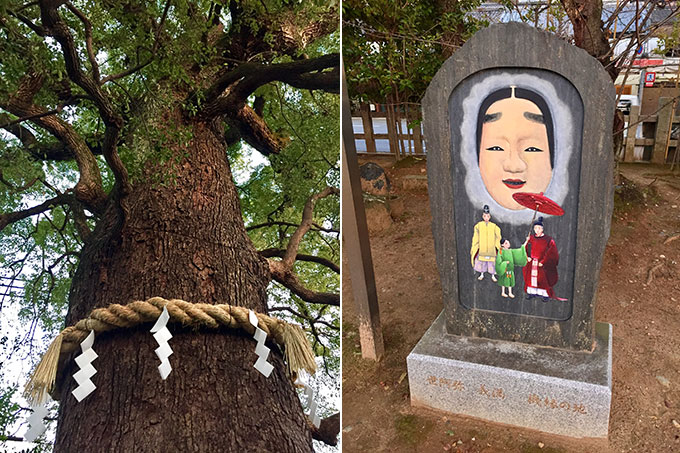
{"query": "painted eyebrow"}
{"type": "Point", "coordinates": [536, 117]}
{"type": "Point", "coordinates": [490, 117]}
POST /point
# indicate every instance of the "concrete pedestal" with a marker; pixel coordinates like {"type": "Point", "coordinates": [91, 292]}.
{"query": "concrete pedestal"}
{"type": "Point", "coordinates": [547, 389]}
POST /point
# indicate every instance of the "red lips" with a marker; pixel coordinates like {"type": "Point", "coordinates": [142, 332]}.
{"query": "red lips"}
{"type": "Point", "coordinates": [514, 183]}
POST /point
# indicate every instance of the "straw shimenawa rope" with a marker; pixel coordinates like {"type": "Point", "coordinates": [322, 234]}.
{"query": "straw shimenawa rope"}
{"type": "Point", "coordinates": [298, 352]}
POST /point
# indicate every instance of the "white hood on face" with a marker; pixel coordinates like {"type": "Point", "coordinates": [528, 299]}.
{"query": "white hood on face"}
{"type": "Point", "coordinates": [564, 133]}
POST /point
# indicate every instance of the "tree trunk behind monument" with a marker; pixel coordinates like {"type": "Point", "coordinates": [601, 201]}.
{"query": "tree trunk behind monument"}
{"type": "Point", "coordinates": [183, 238]}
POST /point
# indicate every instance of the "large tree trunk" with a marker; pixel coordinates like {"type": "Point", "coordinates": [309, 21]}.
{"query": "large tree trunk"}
{"type": "Point", "coordinates": [589, 35]}
{"type": "Point", "coordinates": [183, 238]}
{"type": "Point", "coordinates": [586, 18]}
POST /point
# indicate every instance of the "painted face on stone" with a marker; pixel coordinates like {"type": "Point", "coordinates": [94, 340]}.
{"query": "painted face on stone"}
{"type": "Point", "coordinates": [486, 217]}
{"type": "Point", "coordinates": [514, 153]}
{"type": "Point", "coordinates": [538, 230]}
{"type": "Point", "coordinates": [506, 244]}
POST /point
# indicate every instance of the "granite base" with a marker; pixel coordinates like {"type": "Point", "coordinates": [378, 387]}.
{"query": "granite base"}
{"type": "Point", "coordinates": [547, 389]}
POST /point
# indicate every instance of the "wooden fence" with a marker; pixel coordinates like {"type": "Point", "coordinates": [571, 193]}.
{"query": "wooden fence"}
{"type": "Point", "coordinates": [652, 138]}
{"type": "Point", "coordinates": [389, 129]}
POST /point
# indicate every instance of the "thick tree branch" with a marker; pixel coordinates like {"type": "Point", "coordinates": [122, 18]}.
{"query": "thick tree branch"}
{"type": "Point", "coordinates": [327, 23]}
{"type": "Point", "coordinates": [6, 122]}
{"type": "Point", "coordinates": [292, 73]}
{"type": "Point", "coordinates": [327, 81]}
{"type": "Point", "coordinates": [112, 119]}
{"type": "Point", "coordinates": [58, 29]}
{"type": "Point", "coordinates": [250, 125]}
{"type": "Point", "coordinates": [38, 150]}
{"type": "Point", "coordinates": [291, 281]}
{"type": "Point", "coordinates": [282, 271]}
{"type": "Point", "coordinates": [242, 81]}
{"type": "Point", "coordinates": [11, 217]}
{"type": "Point", "coordinates": [254, 130]}
{"type": "Point", "coordinates": [280, 253]}
{"type": "Point", "coordinates": [40, 31]}
{"type": "Point", "coordinates": [586, 19]}
{"type": "Point", "coordinates": [328, 430]}
{"type": "Point", "coordinates": [228, 94]}
{"type": "Point", "coordinates": [88, 39]}
{"type": "Point", "coordinates": [307, 219]}
{"type": "Point", "coordinates": [291, 38]}
{"type": "Point", "coordinates": [89, 188]}
{"type": "Point", "coordinates": [58, 151]}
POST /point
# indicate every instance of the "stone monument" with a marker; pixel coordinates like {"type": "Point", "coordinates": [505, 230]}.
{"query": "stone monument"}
{"type": "Point", "coordinates": [518, 125]}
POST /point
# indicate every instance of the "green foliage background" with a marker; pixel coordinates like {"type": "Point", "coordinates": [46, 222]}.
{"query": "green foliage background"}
{"type": "Point", "coordinates": [396, 47]}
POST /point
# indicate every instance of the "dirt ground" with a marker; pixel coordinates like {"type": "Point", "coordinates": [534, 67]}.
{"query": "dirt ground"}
{"type": "Point", "coordinates": [639, 294]}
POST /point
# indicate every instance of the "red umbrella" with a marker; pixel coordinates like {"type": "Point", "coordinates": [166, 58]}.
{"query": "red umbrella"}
{"type": "Point", "coordinates": [538, 202]}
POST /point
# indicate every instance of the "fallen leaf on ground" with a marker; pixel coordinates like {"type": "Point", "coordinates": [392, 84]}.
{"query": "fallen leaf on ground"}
{"type": "Point", "coordinates": [663, 381]}
{"type": "Point", "coordinates": [671, 239]}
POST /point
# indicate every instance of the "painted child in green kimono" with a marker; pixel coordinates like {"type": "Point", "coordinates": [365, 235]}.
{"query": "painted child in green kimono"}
{"type": "Point", "coordinates": [506, 261]}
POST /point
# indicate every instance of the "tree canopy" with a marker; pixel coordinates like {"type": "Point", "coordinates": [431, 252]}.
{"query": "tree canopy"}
{"type": "Point", "coordinates": [100, 98]}
{"type": "Point", "coordinates": [395, 48]}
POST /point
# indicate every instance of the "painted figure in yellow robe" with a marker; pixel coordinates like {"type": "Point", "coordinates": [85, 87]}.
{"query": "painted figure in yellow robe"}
{"type": "Point", "coordinates": [486, 243]}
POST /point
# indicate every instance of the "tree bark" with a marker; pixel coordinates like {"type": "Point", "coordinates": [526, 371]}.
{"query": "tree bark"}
{"type": "Point", "coordinates": [589, 35]}
{"type": "Point", "coordinates": [183, 237]}
{"type": "Point", "coordinates": [328, 430]}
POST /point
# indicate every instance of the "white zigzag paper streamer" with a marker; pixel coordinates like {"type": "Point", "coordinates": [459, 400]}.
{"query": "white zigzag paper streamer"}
{"type": "Point", "coordinates": [162, 336]}
{"type": "Point", "coordinates": [36, 425]}
{"type": "Point", "coordinates": [261, 350]}
{"type": "Point", "coordinates": [84, 361]}
{"type": "Point", "coordinates": [311, 403]}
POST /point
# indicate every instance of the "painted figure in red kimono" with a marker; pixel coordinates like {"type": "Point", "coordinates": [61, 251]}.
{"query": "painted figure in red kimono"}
{"type": "Point", "coordinates": [540, 273]}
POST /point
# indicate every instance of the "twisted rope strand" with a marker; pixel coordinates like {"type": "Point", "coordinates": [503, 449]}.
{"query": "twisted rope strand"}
{"type": "Point", "coordinates": [291, 337]}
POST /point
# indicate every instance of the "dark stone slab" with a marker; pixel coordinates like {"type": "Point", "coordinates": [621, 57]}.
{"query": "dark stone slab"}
{"type": "Point", "coordinates": [580, 97]}
{"type": "Point", "coordinates": [487, 295]}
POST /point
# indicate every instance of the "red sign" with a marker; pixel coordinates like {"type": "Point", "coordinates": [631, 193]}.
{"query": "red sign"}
{"type": "Point", "coordinates": [641, 62]}
{"type": "Point", "coordinates": [650, 77]}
